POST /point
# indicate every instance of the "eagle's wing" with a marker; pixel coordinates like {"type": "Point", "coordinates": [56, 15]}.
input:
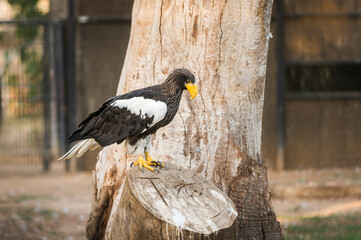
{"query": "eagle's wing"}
{"type": "Point", "coordinates": [119, 118]}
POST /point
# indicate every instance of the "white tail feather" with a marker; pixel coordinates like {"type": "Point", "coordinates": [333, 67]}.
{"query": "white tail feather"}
{"type": "Point", "coordinates": [94, 146]}
{"type": "Point", "coordinates": [80, 148]}
{"type": "Point", "coordinates": [84, 147]}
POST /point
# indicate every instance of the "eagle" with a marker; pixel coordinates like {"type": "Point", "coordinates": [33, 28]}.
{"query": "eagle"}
{"type": "Point", "coordinates": [133, 117]}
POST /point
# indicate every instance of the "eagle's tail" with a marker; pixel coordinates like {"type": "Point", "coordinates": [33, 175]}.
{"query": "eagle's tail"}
{"type": "Point", "coordinates": [80, 148]}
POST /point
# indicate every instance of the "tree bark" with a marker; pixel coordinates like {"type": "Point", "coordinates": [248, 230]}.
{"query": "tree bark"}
{"type": "Point", "coordinates": [218, 134]}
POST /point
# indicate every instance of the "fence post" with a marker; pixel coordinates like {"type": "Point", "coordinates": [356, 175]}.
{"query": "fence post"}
{"type": "Point", "coordinates": [46, 102]}
{"type": "Point", "coordinates": [71, 84]}
{"type": "Point", "coordinates": [60, 86]}
{"type": "Point", "coordinates": [280, 153]}
{"type": "Point", "coordinates": [1, 108]}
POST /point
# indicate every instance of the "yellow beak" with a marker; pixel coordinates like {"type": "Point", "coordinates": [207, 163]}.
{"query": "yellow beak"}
{"type": "Point", "coordinates": [192, 89]}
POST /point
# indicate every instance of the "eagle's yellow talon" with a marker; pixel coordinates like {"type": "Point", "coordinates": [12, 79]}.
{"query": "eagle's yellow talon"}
{"type": "Point", "coordinates": [147, 163]}
{"type": "Point", "coordinates": [143, 163]}
{"type": "Point", "coordinates": [150, 161]}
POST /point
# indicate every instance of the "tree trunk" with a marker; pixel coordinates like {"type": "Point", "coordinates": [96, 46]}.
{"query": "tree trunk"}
{"type": "Point", "coordinates": [218, 134]}
{"type": "Point", "coordinates": [168, 201]}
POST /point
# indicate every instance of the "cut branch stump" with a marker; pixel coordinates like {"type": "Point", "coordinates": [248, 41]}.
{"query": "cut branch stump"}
{"type": "Point", "coordinates": [171, 204]}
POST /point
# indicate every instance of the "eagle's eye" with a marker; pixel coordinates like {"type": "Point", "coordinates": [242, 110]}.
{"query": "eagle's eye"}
{"type": "Point", "coordinates": [189, 81]}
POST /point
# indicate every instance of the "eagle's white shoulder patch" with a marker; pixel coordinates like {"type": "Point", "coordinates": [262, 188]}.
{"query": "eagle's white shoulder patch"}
{"type": "Point", "coordinates": [141, 106]}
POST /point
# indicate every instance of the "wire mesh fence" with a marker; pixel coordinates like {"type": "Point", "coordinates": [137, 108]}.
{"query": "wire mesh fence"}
{"type": "Point", "coordinates": [53, 76]}
{"type": "Point", "coordinates": [22, 98]}
{"type": "Point", "coordinates": [25, 93]}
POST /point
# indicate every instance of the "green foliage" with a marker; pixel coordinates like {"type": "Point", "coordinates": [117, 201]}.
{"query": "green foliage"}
{"type": "Point", "coordinates": [23, 197]}
{"type": "Point", "coordinates": [31, 58]}
{"type": "Point", "coordinates": [33, 69]}
{"type": "Point", "coordinates": [3, 210]}
{"type": "Point", "coordinates": [321, 228]}
{"type": "Point", "coordinates": [26, 9]}
{"type": "Point", "coordinates": [47, 213]}
{"type": "Point", "coordinates": [29, 213]}
{"type": "Point", "coordinates": [13, 80]}
{"type": "Point", "coordinates": [27, 32]}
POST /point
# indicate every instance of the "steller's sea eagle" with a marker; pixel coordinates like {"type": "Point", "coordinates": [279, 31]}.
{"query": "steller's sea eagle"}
{"type": "Point", "coordinates": [133, 117]}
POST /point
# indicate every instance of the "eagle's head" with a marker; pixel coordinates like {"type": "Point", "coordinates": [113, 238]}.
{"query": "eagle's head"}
{"type": "Point", "coordinates": [183, 79]}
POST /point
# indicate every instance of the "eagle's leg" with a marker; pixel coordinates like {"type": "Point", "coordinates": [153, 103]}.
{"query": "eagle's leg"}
{"type": "Point", "coordinates": [143, 163]}
{"type": "Point", "coordinates": [150, 161]}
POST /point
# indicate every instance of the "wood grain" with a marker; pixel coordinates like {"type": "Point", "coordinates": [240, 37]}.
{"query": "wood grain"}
{"type": "Point", "coordinates": [182, 198]}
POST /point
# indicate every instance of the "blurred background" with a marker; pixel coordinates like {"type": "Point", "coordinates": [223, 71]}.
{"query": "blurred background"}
{"type": "Point", "coordinates": [60, 59]}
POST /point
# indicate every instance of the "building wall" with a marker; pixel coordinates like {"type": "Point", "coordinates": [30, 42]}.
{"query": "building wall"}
{"type": "Point", "coordinates": [320, 132]}
{"type": "Point", "coordinates": [58, 8]}
{"type": "Point", "coordinates": [323, 132]}
{"type": "Point", "coordinates": [110, 8]}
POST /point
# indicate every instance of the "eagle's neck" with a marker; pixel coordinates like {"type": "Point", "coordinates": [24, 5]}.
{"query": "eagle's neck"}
{"type": "Point", "coordinates": [173, 95]}
{"type": "Point", "coordinates": [172, 91]}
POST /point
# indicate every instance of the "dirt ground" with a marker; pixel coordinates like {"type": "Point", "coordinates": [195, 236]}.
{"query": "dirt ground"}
{"type": "Point", "coordinates": [44, 206]}
{"type": "Point", "coordinates": [311, 193]}
{"type": "Point", "coordinates": [56, 205]}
